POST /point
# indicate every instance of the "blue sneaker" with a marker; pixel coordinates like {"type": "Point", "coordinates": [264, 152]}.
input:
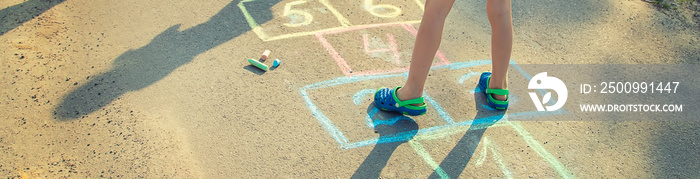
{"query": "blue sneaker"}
{"type": "Point", "coordinates": [484, 87]}
{"type": "Point", "coordinates": [387, 100]}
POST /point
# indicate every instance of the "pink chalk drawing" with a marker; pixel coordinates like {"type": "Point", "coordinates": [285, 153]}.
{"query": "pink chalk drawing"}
{"type": "Point", "coordinates": [347, 70]}
{"type": "Point", "coordinates": [392, 47]}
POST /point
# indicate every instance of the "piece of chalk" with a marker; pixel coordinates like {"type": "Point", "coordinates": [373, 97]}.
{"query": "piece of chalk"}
{"type": "Point", "coordinates": [258, 64]}
{"type": "Point", "coordinates": [276, 63]}
{"type": "Point", "coordinates": [265, 54]}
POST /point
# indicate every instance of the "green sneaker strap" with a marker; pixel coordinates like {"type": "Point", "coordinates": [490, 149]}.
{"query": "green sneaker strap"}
{"type": "Point", "coordinates": [408, 103]}
{"type": "Point", "coordinates": [419, 100]}
{"type": "Point", "coordinates": [497, 91]}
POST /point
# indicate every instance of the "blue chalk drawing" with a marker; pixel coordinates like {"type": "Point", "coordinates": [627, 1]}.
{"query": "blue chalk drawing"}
{"type": "Point", "coordinates": [327, 124]}
{"type": "Point", "coordinates": [346, 144]}
{"type": "Point", "coordinates": [467, 76]}
{"type": "Point", "coordinates": [392, 121]}
{"type": "Point", "coordinates": [528, 77]}
{"type": "Point", "coordinates": [357, 98]}
{"type": "Point", "coordinates": [429, 132]}
{"type": "Point", "coordinates": [439, 109]}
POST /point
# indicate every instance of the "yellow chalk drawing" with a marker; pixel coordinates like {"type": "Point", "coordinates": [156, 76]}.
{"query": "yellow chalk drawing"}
{"type": "Point", "coordinates": [427, 158]}
{"type": "Point", "coordinates": [374, 9]}
{"type": "Point", "coordinates": [560, 168]}
{"type": "Point", "coordinates": [343, 21]}
{"type": "Point", "coordinates": [496, 153]}
{"type": "Point", "coordinates": [289, 12]}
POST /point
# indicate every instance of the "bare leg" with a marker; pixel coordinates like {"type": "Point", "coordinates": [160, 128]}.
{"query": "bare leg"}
{"type": "Point", "coordinates": [500, 17]}
{"type": "Point", "coordinates": [427, 43]}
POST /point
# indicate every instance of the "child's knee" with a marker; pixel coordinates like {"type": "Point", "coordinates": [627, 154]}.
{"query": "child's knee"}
{"type": "Point", "coordinates": [498, 9]}
{"type": "Point", "coordinates": [438, 8]}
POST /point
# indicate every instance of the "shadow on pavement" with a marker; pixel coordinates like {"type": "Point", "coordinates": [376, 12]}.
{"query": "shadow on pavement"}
{"type": "Point", "coordinates": [677, 150]}
{"type": "Point", "coordinates": [14, 16]}
{"type": "Point", "coordinates": [137, 69]}
{"type": "Point", "coordinates": [380, 154]}
{"type": "Point", "coordinates": [456, 161]}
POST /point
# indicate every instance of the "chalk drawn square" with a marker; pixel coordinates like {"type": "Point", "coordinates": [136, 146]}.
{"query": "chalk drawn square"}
{"type": "Point", "coordinates": [379, 49]}
{"type": "Point", "coordinates": [456, 89]}
{"type": "Point", "coordinates": [353, 99]}
{"type": "Point", "coordinates": [498, 151]}
{"type": "Point", "coordinates": [381, 11]}
{"type": "Point", "coordinates": [291, 19]}
{"type": "Point", "coordinates": [302, 18]}
{"type": "Point", "coordinates": [322, 107]}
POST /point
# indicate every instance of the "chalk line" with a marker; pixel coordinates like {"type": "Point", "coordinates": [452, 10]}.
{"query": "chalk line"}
{"type": "Point", "coordinates": [428, 159]}
{"type": "Point", "coordinates": [343, 21]}
{"type": "Point", "coordinates": [357, 98]}
{"type": "Point", "coordinates": [467, 76]}
{"type": "Point", "coordinates": [439, 109]}
{"type": "Point", "coordinates": [435, 131]}
{"type": "Point", "coordinates": [496, 153]}
{"type": "Point", "coordinates": [348, 71]}
{"type": "Point", "coordinates": [541, 151]}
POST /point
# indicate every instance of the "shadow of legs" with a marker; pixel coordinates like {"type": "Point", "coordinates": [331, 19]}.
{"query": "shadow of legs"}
{"type": "Point", "coordinates": [458, 158]}
{"type": "Point", "coordinates": [401, 131]}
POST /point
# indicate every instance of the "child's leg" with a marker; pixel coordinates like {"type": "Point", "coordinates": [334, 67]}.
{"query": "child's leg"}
{"type": "Point", "coordinates": [427, 43]}
{"type": "Point", "coordinates": [500, 17]}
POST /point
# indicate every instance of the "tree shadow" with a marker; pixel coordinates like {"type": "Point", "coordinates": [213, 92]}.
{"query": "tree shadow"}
{"type": "Point", "coordinates": [397, 126]}
{"type": "Point", "coordinates": [456, 161]}
{"type": "Point", "coordinates": [137, 69]}
{"type": "Point", "coordinates": [675, 151]}
{"type": "Point", "coordinates": [14, 16]}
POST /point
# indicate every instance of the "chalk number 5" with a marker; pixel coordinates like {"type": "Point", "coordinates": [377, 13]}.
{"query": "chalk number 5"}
{"type": "Point", "coordinates": [288, 11]}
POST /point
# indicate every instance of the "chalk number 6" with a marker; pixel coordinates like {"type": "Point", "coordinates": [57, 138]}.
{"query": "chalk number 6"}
{"type": "Point", "coordinates": [372, 9]}
{"type": "Point", "coordinates": [289, 11]}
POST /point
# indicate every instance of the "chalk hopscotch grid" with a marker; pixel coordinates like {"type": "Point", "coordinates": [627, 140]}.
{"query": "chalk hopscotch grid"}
{"type": "Point", "coordinates": [344, 27]}
{"type": "Point", "coordinates": [345, 67]}
{"type": "Point", "coordinates": [436, 131]}
{"type": "Point", "coordinates": [344, 24]}
{"type": "Point", "coordinates": [422, 134]}
{"type": "Point", "coordinates": [346, 144]}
